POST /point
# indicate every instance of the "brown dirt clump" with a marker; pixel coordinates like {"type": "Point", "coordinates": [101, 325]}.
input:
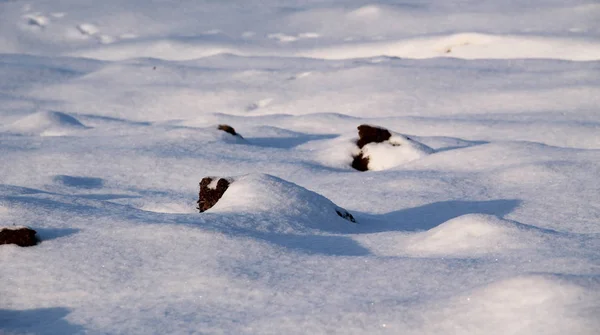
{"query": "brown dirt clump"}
{"type": "Point", "coordinates": [360, 162]}
{"type": "Point", "coordinates": [369, 134]}
{"type": "Point", "coordinates": [228, 129]}
{"type": "Point", "coordinates": [208, 197]}
{"type": "Point", "coordinates": [23, 237]}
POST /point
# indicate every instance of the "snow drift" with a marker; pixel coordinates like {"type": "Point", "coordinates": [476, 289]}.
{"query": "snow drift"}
{"type": "Point", "coordinates": [383, 154]}
{"type": "Point", "coordinates": [399, 149]}
{"type": "Point", "coordinates": [47, 123]}
{"type": "Point", "coordinates": [471, 235]}
{"type": "Point", "coordinates": [495, 233]}
{"type": "Point", "coordinates": [302, 209]}
{"type": "Point", "coordinates": [528, 304]}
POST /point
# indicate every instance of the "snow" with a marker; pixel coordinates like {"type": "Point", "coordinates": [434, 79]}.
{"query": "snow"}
{"type": "Point", "coordinates": [472, 234]}
{"type": "Point", "coordinates": [293, 208]}
{"type": "Point", "coordinates": [483, 220]}
{"type": "Point", "coordinates": [47, 123]}
{"type": "Point", "coordinates": [12, 228]}
{"type": "Point", "coordinates": [399, 149]}
{"type": "Point", "coordinates": [551, 303]}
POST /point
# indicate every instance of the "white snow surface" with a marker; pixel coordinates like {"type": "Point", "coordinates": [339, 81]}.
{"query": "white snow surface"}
{"type": "Point", "coordinates": [108, 121]}
{"type": "Point", "coordinates": [397, 150]}
{"type": "Point", "coordinates": [46, 123]}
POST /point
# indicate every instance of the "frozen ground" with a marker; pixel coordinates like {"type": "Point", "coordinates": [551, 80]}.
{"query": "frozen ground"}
{"type": "Point", "coordinates": [108, 115]}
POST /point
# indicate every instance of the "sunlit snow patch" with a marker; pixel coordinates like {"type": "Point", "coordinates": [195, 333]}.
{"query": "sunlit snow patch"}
{"type": "Point", "coordinates": [47, 123]}
{"type": "Point", "coordinates": [165, 207]}
{"type": "Point", "coordinates": [471, 234]}
{"type": "Point", "coordinates": [529, 304]}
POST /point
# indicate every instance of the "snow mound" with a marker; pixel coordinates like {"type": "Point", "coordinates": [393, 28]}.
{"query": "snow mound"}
{"type": "Point", "coordinates": [466, 45]}
{"type": "Point", "coordinates": [339, 152]}
{"type": "Point", "coordinates": [470, 234]}
{"type": "Point", "coordinates": [528, 304]}
{"type": "Point", "coordinates": [47, 123]}
{"type": "Point", "coordinates": [290, 206]}
{"type": "Point", "coordinates": [336, 152]}
{"type": "Point", "coordinates": [399, 149]}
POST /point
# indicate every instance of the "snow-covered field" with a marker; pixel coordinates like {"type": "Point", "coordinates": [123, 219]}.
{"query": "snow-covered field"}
{"type": "Point", "coordinates": [484, 220]}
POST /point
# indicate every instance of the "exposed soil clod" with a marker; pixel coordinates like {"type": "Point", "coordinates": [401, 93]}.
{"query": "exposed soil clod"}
{"type": "Point", "coordinates": [210, 192]}
{"type": "Point", "coordinates": [22, 236]}
{"type": "Point", "coordinates": [368, 134]}
{"type": "Point", "coordinates": [228, 129]}
{"type": "Point", "coordinates": [360, 162]}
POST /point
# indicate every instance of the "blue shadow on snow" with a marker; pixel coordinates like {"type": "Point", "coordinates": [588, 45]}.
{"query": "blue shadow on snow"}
{"type": "Point", "coordinates": [79, 182]}
{"type": "Point", "coordinates": [38, 321]}
{"type": "Point", "coordinates": [316, 244]}
{"type": "Point", "coordinates": [286, 142]}
{"type": "Point", "coordinates": [47, 234]}
{"type": "Point", "coordinates": [432, 215]}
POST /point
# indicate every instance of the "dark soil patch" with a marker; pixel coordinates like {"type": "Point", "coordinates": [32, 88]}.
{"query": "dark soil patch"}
{"type": "Point", "coordinates": [23, 237]}
{"type": "Point", "coordinates": [228, 129]}
{"type": "Point", "coordinates": [360, 162]}
{"type": "Point", "coordinates": [208, 197]}
{"type": "Point", "coordinates": [369, 134]}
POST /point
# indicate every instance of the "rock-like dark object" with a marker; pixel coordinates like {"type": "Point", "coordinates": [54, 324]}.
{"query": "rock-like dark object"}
{"type": "Point", "coordinates": [360, 162]}
{"type": "Point", "coordinates": [21, 236]}
{"type": "Point", "coordinates": [369, 134]}
{"type": "Point", "coordinates": [345, 215]}
{"type": "Point", "coordinates": [228, 129]}
{"type": "Point", "coordinates": [210, 192]}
